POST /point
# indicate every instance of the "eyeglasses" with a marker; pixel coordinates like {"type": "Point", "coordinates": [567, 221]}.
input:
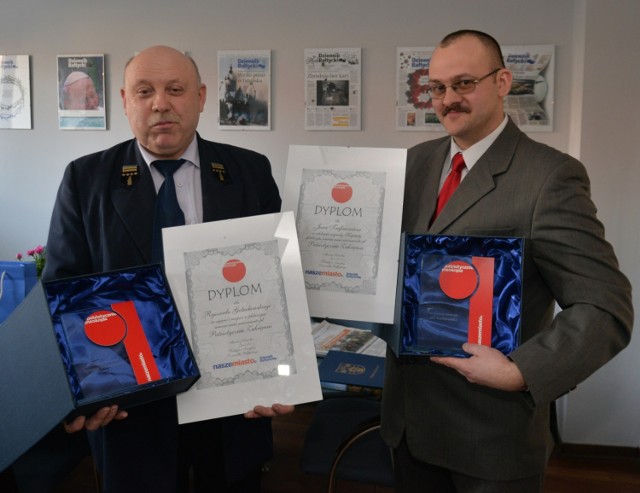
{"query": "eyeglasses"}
{"type": "Point", "coordinates": [464, 86]}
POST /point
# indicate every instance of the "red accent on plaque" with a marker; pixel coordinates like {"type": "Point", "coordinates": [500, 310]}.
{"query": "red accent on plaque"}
{"type": "Point", "coordinates": [105, 328]}
{"type": "Point", "coordinates": [341, 192]}
{"type": "Point", "coordinates": [458, 279]}
{"type": "Point", "coordinates": [234, 270]}
{"type": "Point", "coordinates": [481, 303]}
{"type": "Point", "coordinates": [136, 344]}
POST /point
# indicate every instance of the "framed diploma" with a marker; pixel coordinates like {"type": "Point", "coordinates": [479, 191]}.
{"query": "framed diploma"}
{"type": "Point", "coordinates": [239, 290]}
{"type": "Point", "coordinates": [348, 206]}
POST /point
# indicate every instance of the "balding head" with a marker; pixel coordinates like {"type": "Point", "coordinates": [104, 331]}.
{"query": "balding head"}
{"type": "Point", "coordinates": [160, 51]}
{"type": "Point", "coordinates": [163, 98]}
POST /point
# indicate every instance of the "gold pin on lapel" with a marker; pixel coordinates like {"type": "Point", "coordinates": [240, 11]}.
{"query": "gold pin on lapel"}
{"type": "Point", "coordinates": [129, 174]}
{"type": "Point", "coordinates": [220, 171]}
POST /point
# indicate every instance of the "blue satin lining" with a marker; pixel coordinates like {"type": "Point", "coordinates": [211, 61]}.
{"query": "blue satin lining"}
{"type": "Point", "coordinates": [434, 324]}
{"type": "Point", "coordinates": [97, 372]}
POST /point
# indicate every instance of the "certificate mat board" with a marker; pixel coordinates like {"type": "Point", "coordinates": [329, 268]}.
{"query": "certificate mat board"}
{"type": "Point", "coordinates": [348, 206]}
{"type": "Point", "coordinates": [239, 288]}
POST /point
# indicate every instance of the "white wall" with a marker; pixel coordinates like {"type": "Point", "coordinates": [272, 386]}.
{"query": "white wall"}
{"type": "Point", "coordinates": [605, 409]}
{"type": "Point", "coordinates": [32, 161]}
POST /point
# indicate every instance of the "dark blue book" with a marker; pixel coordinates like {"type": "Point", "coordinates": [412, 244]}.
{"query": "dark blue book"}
{"type": "Point", "coordinates": [362, 370]}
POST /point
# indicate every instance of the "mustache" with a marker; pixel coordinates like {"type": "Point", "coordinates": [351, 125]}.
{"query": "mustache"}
{"type": "Point", "coordinates": [454, 107]}
{"type": "Point", "coordinates": [163, 118]}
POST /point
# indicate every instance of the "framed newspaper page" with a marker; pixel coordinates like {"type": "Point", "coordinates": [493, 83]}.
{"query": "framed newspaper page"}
{"type": "Point", "coordinates": [332, 88]}
{"type": "Point", "coordinates": [244, 90]}
{"type": "Point", "coordinates": [15, 92]}
{"type": "Point", "coordinates": [240, 293]}
{"type": "Point", "coordinates": [348, 206]}
{"type": "Point", "coordinates": [414, 110]}
{"type": "Point", "coordinates": [81, 94]}
{"type": "Point", "coordinates": [531, 98]}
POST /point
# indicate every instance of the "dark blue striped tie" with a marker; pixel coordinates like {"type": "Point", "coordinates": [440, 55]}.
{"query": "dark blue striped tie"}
{"type": "Point", "coordinates": [167, 210]}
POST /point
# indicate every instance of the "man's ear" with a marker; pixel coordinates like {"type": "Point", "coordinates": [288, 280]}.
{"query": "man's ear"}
{"type": "Point", "coordinates": [124, 100]}
{"type": "Point", "coordinates": [203, 96]}
{"type": "Point", "coordinates": [505, 77]}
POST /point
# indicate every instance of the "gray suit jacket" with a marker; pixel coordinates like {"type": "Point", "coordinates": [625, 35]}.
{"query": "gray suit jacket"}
{"type": "Point", "coordinates": [526, 189]}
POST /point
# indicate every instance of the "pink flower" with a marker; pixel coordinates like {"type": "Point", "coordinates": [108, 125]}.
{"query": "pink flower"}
{"type": "Point", "coordinates": [38, 254]}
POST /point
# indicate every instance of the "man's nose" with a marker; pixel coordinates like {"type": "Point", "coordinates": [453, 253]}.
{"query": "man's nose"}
{"type": "Point", "coordinates": [160, 102]}
{"type": "Point", "coordinates": [450, 96]}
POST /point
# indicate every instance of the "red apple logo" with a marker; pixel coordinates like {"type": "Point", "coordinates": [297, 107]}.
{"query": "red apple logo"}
{"type": "Point", "coordinates": [234, 270]}
{"type": "Point", "coordinates": [342, 192]}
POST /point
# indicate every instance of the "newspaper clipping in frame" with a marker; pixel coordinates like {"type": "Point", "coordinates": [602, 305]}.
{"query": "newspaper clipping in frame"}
{"type": "Point", "coordinates": [81, 103]}
{"type": "Point", "coordinates": [529, 102]}
{"type": "Point", "coordinates": [15, 92]}
{"type": "Point", "coordinates": [332, 88]}
{"type": "Point", "coordinates": [244, 90]}
{"type": "Point", "coordinates": [414, 110]}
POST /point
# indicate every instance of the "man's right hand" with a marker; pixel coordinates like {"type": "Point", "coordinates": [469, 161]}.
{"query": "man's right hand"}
{"type": "Point", "coordinates": [101, 418]}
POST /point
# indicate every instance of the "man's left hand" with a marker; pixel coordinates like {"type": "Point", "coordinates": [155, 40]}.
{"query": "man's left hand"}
{"type": "Point", "coordinates": [269, 412]}
{"type": "Point", "coordinates": [486, 366]}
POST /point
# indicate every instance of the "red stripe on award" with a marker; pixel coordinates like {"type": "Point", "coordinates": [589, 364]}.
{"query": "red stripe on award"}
{"type": "Point", "coordinates": [136, 344]}
{"type": "Point", "coordinates": [481, 303]}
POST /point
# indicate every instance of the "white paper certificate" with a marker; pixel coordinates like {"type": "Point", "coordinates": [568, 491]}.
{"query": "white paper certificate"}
{"type": "Point", "coordinates": [239, 290]}
{"type": "Point", "coordinates": [348, 205]}
{"type": "Point", "coordinates": [339, 230]}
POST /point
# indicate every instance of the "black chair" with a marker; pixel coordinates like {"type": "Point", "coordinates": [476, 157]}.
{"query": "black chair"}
{"type": "Point", "coordinates": [343, 442]}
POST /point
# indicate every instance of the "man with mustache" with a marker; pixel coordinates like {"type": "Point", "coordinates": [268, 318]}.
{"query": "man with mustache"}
{"type": "Point", "coordinates": [482, 423]}
{"type": "Point", "coordinates": [103, 221]}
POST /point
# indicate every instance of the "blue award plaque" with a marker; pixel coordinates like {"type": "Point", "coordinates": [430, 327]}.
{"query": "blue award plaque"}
{"type": "Point", "coordinates": [458, 289]}
{"type": "Point", "coordinates": [119, 334]}
{"type": "Point", "coordinates": [81, 343]}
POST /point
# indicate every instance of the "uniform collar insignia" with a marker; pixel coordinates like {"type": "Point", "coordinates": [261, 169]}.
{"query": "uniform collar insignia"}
{"type": "Point", "coordinates": [220, 171]}
{"type": "Point", "coordinates": [130, 174]}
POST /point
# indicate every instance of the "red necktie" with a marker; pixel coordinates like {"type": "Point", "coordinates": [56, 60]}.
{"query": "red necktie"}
{"type": "Point", "coordinates": [450, 184]}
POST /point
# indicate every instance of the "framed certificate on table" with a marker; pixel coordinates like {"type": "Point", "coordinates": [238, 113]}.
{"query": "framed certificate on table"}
{"type": "Point", "coordinates": [348, 206]}
{"type": "Point", "coordinates": [239, 289]}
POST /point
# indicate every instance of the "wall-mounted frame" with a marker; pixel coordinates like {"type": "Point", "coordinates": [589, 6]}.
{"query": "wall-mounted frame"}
{"type": "Point", "coordinates": [15, 92]}
{"type": "Point", "coordinates": [332, 82]}
{"type": "Point", "coordinates": [81, 95]}
{"type": "Point", "coordinates": [244, 90]}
